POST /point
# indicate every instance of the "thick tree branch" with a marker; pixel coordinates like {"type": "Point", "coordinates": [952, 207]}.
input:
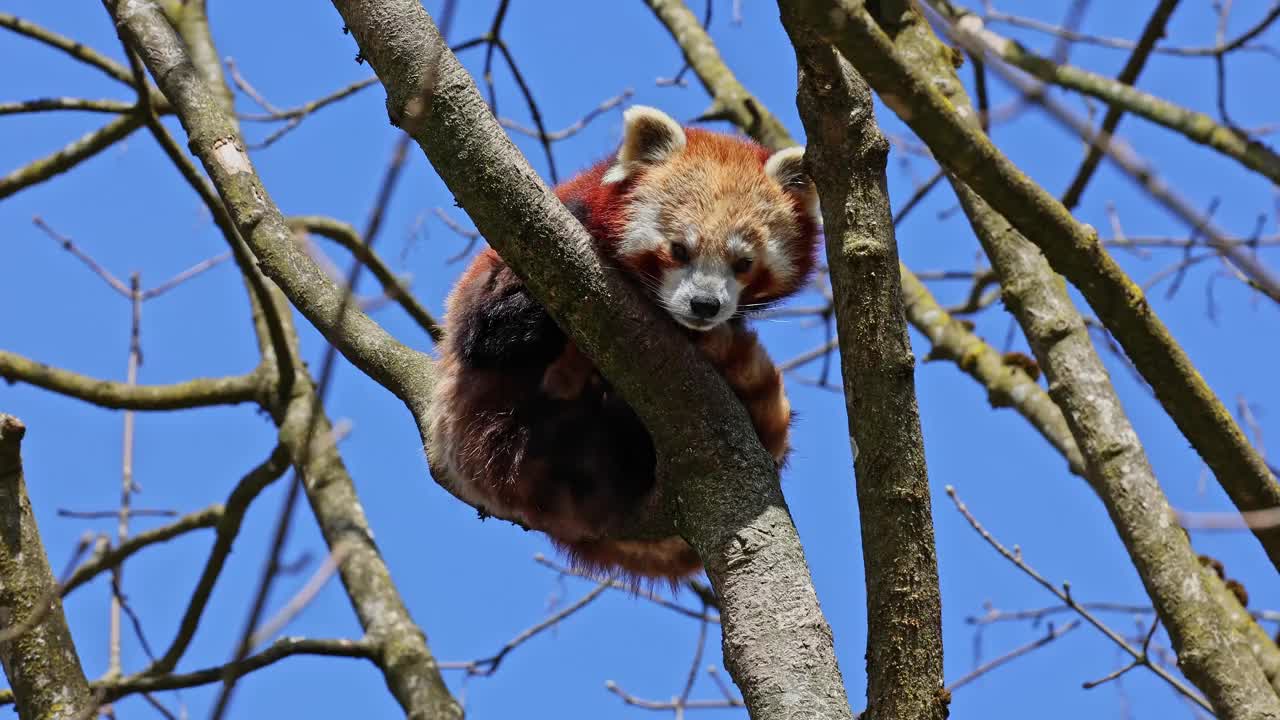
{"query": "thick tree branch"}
{"type": "Point", "coordinates": [846, 157]}
{"type": "Point", "coordinates": [41, 662]}
{"type": "Point", "coordinates": [202, 392]}
{"type": "Point", "coordinates": [777, 644]}
{"type": "Point", "coordinates": [1007, 384]}
{"type": "Point", "coordinates": [1071, 247]}
{"type": "Point", "coordinates": [1213, 656]}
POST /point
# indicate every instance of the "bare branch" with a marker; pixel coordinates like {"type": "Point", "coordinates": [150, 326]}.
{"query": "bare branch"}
{"type": "Point", "coordinates": [1128, 76]}
{"type": "Point", "coordinates": [109, 557]}
{"type": "Point", "coordinates": [216, 141]}
{"type": "Point", "coordinates": [983, 669]}
{"type": "Point", "coordinates": [1072, 248]}
{"type": "Point", "coordinates": [578, 126]}
{"type": "Point", "coordinates": [202, 392]}
{"type": "Point", "coordinates": [729, 100]}
{"type": "Point", "coordinates": [41, 662]}
{"type": "Point", "coordinates": [302, 598]}
{"type": "Point", "coordinates": [1063, 594]}
{"type": "Point", "coordinates": [116, 107]}
{"type": "Point", "coordinates": [627, 588]}
{"type": "Point", "coordinates": [488, 666]}
{"type": "Point", "coordinates": [77, 50]}
{"type": "Point", "coordinates": [145, 681]}
{"type": "Point", "coordinates": [1240, 41]}
{"type": "Point", "coordinates": [347, 236]}
{"type": "Point", "coordinates": [846, 158]}
{"type": "Point", "coordinates": [227, 528]}
{"type": "Point", "coordinates": [68, 157]}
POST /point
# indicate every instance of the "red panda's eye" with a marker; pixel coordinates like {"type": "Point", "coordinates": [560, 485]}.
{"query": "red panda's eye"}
{"type": "Point", "coordinates": [679, 252]}
{"type": "Point", "coordinates": [742, 265]}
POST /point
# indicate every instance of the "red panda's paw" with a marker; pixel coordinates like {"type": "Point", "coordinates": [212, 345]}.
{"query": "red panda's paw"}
{"type": "Point", "coordinates": [567, 375]}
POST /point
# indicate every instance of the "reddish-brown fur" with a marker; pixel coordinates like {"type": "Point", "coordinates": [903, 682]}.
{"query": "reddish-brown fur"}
{"type": "Point", "coordinates": [527, 424]}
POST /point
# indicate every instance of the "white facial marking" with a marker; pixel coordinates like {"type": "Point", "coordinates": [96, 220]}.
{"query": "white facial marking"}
{"type": "Point", "coordinates": [777, 261]}
{"type": "Point", "coordinates": [738, 247]}
{"type": "Point", "coordinates": [643, 232]}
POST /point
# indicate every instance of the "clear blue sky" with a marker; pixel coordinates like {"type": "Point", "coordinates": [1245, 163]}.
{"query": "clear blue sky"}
{"type": "Point", "coordinates": [472, 586]}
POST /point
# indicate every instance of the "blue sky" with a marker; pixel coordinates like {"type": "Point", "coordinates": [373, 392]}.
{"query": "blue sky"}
{"type": "Point", "coordinates": [472, 585]}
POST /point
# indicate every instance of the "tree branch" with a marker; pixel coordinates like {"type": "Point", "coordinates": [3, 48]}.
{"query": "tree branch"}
{"type": "Point", "coordinates": [1151, 34]}
{"type": "Point", "coordinates": [347, 236]}
{"type": "Point", "coordinates": [1195, 126]}
{"type": "Point", "coordinates": [92, 143]}
{"type": "Point", "coordinates": [117, 107]}
{"type": "Point", "coordinates": [111, 557]}
{"type": "Point", "coordinates": [1071, 247]}
{"type": "Point", "coordinates": [215, 139]}
{"type": "Point", "coordinates": [77, 50]}
{"type": "Point", "coordinates": [41, 663]}
{"type": "Point", "coordinates": [1210, 653]}
{"type": "Point", "coordinates": [731, 508]}
{"type": "Point", "coordinates": [202, 392]}
{"type": "Point", "coordinates": [1255, 273]}
{"type": "Point", "coordinates": [729, 100]}
{"type": "Point", "coordinates": [144, 682]}
{"type": "Point", "coordinates": [399, 645]}
{"type": "Point", "coordinates": [846, 157]}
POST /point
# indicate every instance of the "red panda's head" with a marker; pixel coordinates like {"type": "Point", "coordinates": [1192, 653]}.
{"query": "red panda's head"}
{"type": "Point", "coordinates": [715, 225]}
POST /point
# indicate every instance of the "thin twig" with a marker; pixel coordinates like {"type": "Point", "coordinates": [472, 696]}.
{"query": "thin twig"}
{"type": "Point", "coordinates": [1064, 594]}
{"type": "Point", "coordinates": [488, 666]}
{"type": "Point", "coordinates": [983, 669]}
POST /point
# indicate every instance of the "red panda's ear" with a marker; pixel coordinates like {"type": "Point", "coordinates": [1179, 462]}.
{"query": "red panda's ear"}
{"type": "Point", "coordinates": [786, 167]}
{"type": "Point", "coordinates": [649, 137]}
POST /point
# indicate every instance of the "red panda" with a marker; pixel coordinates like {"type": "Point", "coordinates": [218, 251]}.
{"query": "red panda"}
{"type": "Point", "coordinates": [714, 227]}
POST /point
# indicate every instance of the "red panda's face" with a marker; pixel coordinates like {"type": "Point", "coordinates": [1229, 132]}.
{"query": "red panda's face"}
{"type": "Point", "coordinates": [714, 225]}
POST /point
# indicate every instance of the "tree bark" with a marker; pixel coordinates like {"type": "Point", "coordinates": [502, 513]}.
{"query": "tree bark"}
{"type": "Point", "coordinates": [36, 649]}
{"type": "Point", "coordinates": [846, 157]}
{"type": "Point", "coordinates": [1212, 655]}
{"type": "Point", "coordinates": [1072, 248]}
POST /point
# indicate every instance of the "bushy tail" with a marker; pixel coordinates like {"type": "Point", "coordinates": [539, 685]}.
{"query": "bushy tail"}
{"type": "Point", "coordinates": [669, 558]}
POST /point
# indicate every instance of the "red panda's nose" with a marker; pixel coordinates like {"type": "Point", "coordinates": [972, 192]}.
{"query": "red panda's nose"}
{"type": "Point", "coordinates": [704, 307]}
